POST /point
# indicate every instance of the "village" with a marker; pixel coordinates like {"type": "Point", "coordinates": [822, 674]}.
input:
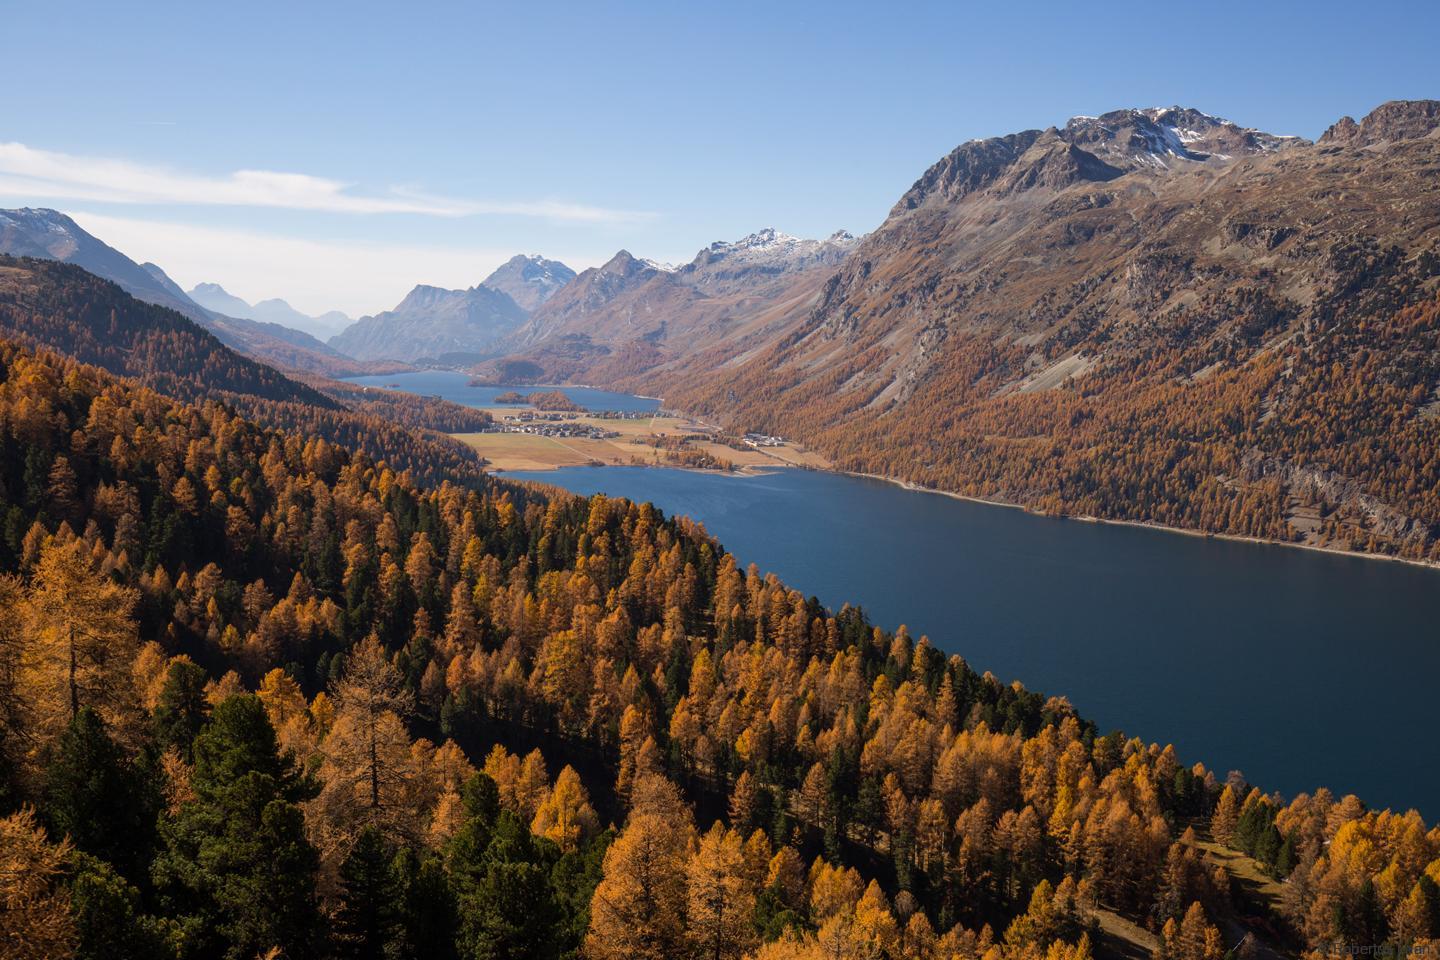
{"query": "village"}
{"type": "Point", "coordinates": [566, 424]}
{"type": "Point", "coordinates": [533, 439]}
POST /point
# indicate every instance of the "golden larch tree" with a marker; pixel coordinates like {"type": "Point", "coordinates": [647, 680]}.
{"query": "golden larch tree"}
{"type": "Point", "coordinates": [35, 921]}
{"type": "Point", "coordinates": [565, 815]}
{"type": "Point", "coordinates": [720, 898]}
{"type": "Point", "coordinates": [81, 638]}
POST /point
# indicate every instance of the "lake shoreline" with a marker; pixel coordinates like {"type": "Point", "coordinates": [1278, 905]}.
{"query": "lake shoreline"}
{"type": "Point", "coordinates": [761, 471]}
{"type": "Point", "coordinates": [752, 470]}
{"type": "Point", "coordinates": [1142, 524]}
{"type": "Point", "coordinates": [1044, 602]}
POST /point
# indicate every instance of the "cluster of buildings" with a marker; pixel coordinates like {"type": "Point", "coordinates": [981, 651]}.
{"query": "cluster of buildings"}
{"type": "Point", "coordinates": [763, 440]}
{"type": "Point", "coordinates": [551, 425]}
{"type": "Point", "coordinates": [531, 416]}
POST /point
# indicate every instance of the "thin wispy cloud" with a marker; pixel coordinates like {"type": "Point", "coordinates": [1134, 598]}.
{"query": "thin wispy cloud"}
{"type": "Point", "coordinates": [32, 173]}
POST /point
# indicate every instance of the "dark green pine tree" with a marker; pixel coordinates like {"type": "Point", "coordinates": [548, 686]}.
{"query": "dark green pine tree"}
{"type": "Point", "coordinates": [237, 869]}
{"type": "Point", "coordinates": [368, 922]}
{"type": "Point", "coordinates": [109, 921]}
{"type": "Point", "coordinates": [182, 709]}
{"type": "Point", "coordinates": [1286, 858]}
{"type": "Point", "coordinates": [501, 878]}
{"type": "Point", "coordinates": [574, 878]}
{"type": "Point", "coordinates": [1430, 901]}
{"type": "Point", "coordinates": [1367, 922]}
{"type": "Point", "coordinates": [105, 803]}
{"type": "Point", "coordinates": [507, 906]}
{"type": "Point", "coordinates": [428, 919]}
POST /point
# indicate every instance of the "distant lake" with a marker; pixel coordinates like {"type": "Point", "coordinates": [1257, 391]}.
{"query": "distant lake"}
{"type": "Point", "coordinates": [1299, 668]}
{"type": "Point", "coordinates": [455, 386]}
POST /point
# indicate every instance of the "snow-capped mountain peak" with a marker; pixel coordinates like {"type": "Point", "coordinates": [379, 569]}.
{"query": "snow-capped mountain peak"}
{"type": "Point", "coordinates": [767, 251]}
{"type": "Point", "coordinates": [1158, 137]}
{"type": "Point", "coordinates": [529, 279]}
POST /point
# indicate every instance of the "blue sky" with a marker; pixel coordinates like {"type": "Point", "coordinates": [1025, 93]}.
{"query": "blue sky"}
{"type": "Point", "coordinates": [428, 142]}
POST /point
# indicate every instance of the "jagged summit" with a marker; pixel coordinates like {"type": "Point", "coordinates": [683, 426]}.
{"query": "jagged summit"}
{"type": "Point", "coordinates": [1158, 136]}
{"type": "Point", "coordinates": [529, 279]}
{"type": "Point", "coordinates": [1391, 121]}
{"type": "Point", "coordinates": [771, 250]}
{"type": "Point", "coordinates": [765, 238]}
{"type": "Point", "coordinates": [1156, 139]}
{"type": "Point", "coordinates": [42, 227]}
{"type": "Point", "coordinates": [625, 264]}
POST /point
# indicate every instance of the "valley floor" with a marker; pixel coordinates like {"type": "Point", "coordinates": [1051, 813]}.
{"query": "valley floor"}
{"type": "Point", "coordinates": [662, 440]}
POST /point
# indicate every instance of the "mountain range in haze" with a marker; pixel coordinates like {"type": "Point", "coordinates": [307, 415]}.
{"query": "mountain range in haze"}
{"type": "Point", "coordinates": [456, 327]}
{"type": "Point", "coordinates": [216, 298]}
{"type": "Point", "coordinates": [51, 235]}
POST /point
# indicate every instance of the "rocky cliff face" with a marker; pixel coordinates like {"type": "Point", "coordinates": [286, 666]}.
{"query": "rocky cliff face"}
{"type": "Point", "coordinates": [1396, 120]}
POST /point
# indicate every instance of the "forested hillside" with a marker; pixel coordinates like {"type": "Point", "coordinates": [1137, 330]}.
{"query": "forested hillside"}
{"type": "Point", "coordinates": [54, 304]}
{"type": "Point", "coordinates": [263, 696]}
{"type": "Point", "coordinates": [57, 305]}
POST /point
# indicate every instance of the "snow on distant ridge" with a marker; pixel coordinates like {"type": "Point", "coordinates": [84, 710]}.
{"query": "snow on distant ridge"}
{"type": "Point", "coordinates": [769, 241]}
{"type": "Point", "coordinates": [1154, 137]}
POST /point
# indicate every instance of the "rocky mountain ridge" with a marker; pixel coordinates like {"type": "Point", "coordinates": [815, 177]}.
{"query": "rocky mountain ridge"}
{"type": "Point", "coordinates": [1153, 315]}
{"type": "Point", "coordinates": [432, 324]}
{"type": "Point", "coordinates": [529, 280]}
{"type": "Point", "coordinates": [630, 313]}
{"type": "Point", "coordinates": [457, 327]}
{"type": "Point", "coordinates": [1396, 120]}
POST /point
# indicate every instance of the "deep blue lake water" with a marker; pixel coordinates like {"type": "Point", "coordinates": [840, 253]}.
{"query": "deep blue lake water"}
{"type": "Point", "coordinates": [455, 386]}
{"type": "Point", "coordinates": [1298, 668]}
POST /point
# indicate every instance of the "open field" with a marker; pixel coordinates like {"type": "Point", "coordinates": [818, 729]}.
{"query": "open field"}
{"type": "Point", "coordinates": [527, 451]}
